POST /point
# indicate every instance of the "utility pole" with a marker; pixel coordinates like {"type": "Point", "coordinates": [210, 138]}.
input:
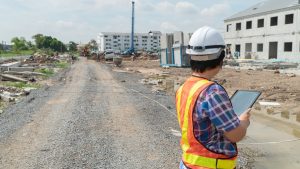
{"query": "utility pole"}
{"type": "Point", "coordinates": [132, 29]}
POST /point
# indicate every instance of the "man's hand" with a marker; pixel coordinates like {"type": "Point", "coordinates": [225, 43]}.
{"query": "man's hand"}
{"type": "Point", "coordinates": [239, 133]}
{"type": "Point", "coordinates": [245, 117]}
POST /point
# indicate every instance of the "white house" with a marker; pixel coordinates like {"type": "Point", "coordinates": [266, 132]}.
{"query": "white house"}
{"type": "Point", "coordinates": [121, 41]}
{"type": "Point", "coordinates": [268, 30]}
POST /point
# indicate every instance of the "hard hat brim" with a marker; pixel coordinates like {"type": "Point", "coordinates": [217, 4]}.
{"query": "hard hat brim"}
{"type": "Point", "coordinates": [208, 54]}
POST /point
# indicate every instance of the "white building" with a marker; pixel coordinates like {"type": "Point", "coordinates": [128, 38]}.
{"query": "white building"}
{"type": "Point", "coordinates": [268, 30]}
{"type": "Point", "coordinates": [173, 47]}
{"type": "Point", "coordinates": [121, 41]}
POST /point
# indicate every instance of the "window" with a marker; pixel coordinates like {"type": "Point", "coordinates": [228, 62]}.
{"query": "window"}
{"type": "Point", "coordinates": [260, 23]}
{"type": "Point", "coordinates": [248, 47]}
{"type": "Point", "coordinates": [238, 26]}
{"type": "Point", "coordinates": [260, 47]}
{"type": "Point", "coordinates": [289, 19]}
{"type": "Point", "coordinates": [288, 46]}
{"type": "Point", "coordinates": [274, 21]}
{"type": "Point", "coordinates": [228, 27]}
{"type": "Point", "coordinates": [249, 25]}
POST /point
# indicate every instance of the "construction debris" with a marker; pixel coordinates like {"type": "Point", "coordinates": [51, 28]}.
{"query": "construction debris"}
{"type": "Point", "coordinates": [7, 77]}
{"type": "Point", "coordinates": [6, 97]}
{"type": "Point", "coordinates": [117, 61]}
{"type": "Point", "coordinates": [6, 66]}
{"type": "Point", "coordinates": [26, 72]}
{"type": "Point", "coordinates": [291, 75]}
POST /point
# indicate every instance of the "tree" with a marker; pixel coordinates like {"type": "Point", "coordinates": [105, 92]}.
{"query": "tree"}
{"type": "Point", "coordinates": [47, 42]}
{"type": "Point", "coordinates": [72, 46]}
{"type": "Point", "coordinates": [1, 48]}
{"type": "Point", "coordinates": [19, 44]}
{"type": "Point", "coordinates": [93, 45]}
{"type": "Point", "coordinates": [38, 38]}
{"type": "Point", "coordinates": [30, 45]}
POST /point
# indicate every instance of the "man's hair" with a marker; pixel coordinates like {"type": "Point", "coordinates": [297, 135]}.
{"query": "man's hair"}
{"type": "Point", "coordinates": [202, 66]}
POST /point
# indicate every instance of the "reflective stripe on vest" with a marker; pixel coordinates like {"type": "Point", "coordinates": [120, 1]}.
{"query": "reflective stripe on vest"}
{"type": "Point", "coordinates": [209, 162]}
{"type": "Point", "coordinates": [194, 154]}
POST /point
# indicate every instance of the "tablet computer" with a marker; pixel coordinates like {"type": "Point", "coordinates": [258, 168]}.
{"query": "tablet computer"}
{"type": "Point", "coordinates": [243, 99]}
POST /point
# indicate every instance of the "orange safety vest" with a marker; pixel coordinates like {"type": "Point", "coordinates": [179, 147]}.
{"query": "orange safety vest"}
{"type": "Point", "coordinates": [195, 155]}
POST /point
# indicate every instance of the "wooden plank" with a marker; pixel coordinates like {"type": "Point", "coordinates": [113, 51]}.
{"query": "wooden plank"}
{"type": "Point", "coordinates": [12, 78]}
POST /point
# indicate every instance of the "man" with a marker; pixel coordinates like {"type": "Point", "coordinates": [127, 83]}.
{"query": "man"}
{"type": "Point", "coordinates": [210, 128]}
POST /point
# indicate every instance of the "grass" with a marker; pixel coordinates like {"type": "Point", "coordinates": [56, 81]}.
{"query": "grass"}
{"type": "Point", "coordinates": [61, 65]}
{"type": "Point", "coordinates": [20, 85]}
{"type": "Point", "coordinates": [15, 53]}
{"type": "Point", "coordinates": [48, 72]}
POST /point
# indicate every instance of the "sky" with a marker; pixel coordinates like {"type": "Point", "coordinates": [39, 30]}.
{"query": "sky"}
{"type": "Point", "coordinates": [81, 20]}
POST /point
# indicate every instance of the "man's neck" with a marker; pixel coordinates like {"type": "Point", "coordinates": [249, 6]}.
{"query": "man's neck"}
{"type": "Point", "coordinates": [205, 75]}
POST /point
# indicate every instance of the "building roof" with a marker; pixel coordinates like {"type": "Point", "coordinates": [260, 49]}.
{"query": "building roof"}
{"type": "Point", "coordinates": [266, 6]}
{"type": "Point", "coordinates": [155, 33]}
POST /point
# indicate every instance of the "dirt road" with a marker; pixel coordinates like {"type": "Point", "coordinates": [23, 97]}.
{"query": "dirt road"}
{"type": "Point", "coordinates": [90, 119]}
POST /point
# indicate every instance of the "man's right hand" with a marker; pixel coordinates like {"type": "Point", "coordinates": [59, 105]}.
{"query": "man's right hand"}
{"type": "Point", "coordinates": [245, 117]}
{"type": "Point", "coordinates": [239, 133]}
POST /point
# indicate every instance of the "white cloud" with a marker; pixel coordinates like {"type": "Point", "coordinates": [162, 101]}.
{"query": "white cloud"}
{"type": "Point", "coordinates": [165, 6]}
{"type": "Point", "coordinates": [185, 8]}
{"type": "Point", "coordinates": [215, 9]}
{"type": "Point", "coordinates": [110, 3]}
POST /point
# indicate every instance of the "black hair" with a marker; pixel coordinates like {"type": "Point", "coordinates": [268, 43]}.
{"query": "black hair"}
{"type": "Point", "coordinates": [202, 66]}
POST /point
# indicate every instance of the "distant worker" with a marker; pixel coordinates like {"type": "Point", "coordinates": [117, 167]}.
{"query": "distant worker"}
{"type": "Point", "coordinates": [210, 128]}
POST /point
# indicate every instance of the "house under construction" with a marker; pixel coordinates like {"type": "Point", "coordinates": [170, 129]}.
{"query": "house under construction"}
{"type": "Point", "coordinates": [268, 30]}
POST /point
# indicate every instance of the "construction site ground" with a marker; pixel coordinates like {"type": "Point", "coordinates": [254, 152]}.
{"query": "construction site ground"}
{"type": "Point", "coordinates": [273, 137]}
{"type": "Point", "coordinates": [96, 115]}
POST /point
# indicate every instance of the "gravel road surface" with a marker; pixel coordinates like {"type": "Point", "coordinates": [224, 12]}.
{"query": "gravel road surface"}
{"type": "Point", "coordinates": [91, 118]}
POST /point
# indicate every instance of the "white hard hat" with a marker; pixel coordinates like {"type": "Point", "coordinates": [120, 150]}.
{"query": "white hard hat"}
{"type": "Point", "coordinates": [205, 44]}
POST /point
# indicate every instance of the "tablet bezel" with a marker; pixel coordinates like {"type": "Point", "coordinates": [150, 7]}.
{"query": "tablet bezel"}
{"type": "Point", "coordinates": [259, 93]}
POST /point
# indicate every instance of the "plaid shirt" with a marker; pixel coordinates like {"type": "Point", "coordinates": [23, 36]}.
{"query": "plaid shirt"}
{"type": "Point", "coordinates": [213, 115]}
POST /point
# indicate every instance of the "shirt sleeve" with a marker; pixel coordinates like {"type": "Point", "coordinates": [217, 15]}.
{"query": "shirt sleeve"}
{"type": "Point", "coordinates": [220, 110]}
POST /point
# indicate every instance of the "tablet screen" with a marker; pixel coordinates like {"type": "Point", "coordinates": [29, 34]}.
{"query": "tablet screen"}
{"type": "Point", "coordinates": [243, 99]}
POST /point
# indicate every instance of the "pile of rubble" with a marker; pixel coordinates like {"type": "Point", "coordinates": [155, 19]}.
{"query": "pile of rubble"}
{"type": "Point", "coordinates": [26, 72]}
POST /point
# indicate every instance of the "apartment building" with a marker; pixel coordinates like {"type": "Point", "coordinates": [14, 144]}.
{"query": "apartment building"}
{"type": "Point", "coordinates": [121, 41]}
{"type": "Point", "coordinates": [268, 30]}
